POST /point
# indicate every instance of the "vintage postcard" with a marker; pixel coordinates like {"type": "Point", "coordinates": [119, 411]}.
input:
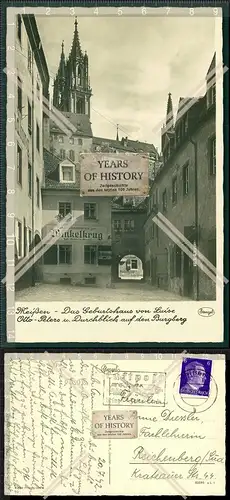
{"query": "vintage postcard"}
{"type": "Point", "coordinates": [114, 424]}
{"type": "Point", "coordinates": [114, 174]}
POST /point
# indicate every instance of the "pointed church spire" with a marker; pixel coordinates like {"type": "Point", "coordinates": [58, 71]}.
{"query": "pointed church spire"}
{"type": "Point", "coordinates": [117, 138]}
{"type": "Point", "coordinates": [169, 113]}
{"type": "Point", "coordinates": [76, 47]}
{"type": "Point", "coordinates": [72, 90]}
{"type": "Point", "coordinates": [62, 61]}
{"type": "Point", "coordinates": [59, 82]}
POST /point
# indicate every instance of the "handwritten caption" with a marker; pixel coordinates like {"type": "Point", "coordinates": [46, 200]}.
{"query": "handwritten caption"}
{"type": "Point", "coordinates": [87, 314]}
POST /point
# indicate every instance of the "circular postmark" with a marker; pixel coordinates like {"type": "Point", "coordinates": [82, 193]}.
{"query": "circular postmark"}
{"type": "Point", "coordinates": [196, 403]}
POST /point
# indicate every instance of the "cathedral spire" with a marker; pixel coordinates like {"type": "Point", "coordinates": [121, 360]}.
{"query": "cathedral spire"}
{"type": "Point", "coordinates": [62, 61]}
{"type": "Point", "coordinates": [76, 47]}
{"type": "Point", "coordinates": [169, 113]}
{"type": "Point", "coordinates": [72, 90]}
{"type": "Point", "coordinates": [117, 138]}
{"type": "Point", "coordinates": [59, 82]}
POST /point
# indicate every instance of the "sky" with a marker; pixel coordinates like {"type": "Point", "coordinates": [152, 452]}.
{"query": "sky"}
{"type": "Point", "coordinates": [134, 62]}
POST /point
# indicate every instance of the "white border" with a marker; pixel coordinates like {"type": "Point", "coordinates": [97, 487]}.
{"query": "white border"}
{"type": "Point", "coordinates": [197, 328]}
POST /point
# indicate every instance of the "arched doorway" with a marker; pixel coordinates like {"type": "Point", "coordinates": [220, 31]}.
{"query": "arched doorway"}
{"type": "Point", "coordinates": [130, 267]}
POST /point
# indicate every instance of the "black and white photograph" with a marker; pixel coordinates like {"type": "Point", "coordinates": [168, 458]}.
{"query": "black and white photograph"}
{"type": "Point", "coordinates": [139, 96]}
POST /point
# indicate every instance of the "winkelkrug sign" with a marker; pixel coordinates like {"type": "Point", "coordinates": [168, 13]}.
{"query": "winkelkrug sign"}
{"type": "Point", "coordinates": [110, 174]}
{"type": "Point", "coordinates": [81, 233]}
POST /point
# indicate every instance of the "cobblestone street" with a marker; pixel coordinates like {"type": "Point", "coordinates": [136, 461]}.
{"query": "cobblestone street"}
{"type": "Point", "coordinates": [121, 291]}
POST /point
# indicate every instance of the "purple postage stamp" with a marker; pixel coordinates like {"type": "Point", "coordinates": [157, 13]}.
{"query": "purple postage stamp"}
{"type": "Point", "coordinates": [195, 376]}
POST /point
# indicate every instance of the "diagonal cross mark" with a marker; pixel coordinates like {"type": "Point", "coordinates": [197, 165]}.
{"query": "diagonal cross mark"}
{"type": "Point", "coordinates": [187, 103]}
{"type": "Point", "coordinates": [54, 114]}
{"type": "Point", "coordinates": [42, 246]}
{"type": "Point", "coordinates": [174, 483]}
{"type": "Point", "coordinates": [190, 249]}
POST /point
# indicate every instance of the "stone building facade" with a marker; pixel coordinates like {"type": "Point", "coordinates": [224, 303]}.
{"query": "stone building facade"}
{"type": "Point", "coordinates": [184, 192]}
{"type": "Point", "coordinates": [32, 87]}
{"type": "Point", "coordinates": [81, 255]}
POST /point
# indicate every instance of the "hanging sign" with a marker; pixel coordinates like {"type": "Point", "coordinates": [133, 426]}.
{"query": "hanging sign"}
{"type": "Point", "coordinates": [109, 174]}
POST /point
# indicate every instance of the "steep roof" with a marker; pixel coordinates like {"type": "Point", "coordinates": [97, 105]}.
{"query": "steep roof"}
{"type": "Point", "coordinates": [81, 123]}
{"type": "Point", "coordinates": [112, 143]}
{"type": "Point", "coordinates": [125, 144]}
{"type": "Point", "coordinates": [212, 65]}
{"type": "Point", "coordinates": [185, 104]}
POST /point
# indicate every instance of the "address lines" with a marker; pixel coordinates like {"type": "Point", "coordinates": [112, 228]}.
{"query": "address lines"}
{"type": "Point", "coordinates": [124, 11]}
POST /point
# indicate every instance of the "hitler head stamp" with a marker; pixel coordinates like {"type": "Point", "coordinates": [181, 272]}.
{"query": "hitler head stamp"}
{"type": "Point", "coordinates": [195, 377]}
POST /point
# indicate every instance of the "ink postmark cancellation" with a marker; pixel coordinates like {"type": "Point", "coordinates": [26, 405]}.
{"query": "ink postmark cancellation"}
{"type": "Point", "coordinates": [195, 377]}
{"type": "Point", "coordinates": [114, 424]}
{"type": "Point", "coordinates": [134, 388]}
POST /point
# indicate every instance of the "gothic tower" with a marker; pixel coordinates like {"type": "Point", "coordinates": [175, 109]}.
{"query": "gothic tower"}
{"type": "Point", "coordinates": [72, 90]}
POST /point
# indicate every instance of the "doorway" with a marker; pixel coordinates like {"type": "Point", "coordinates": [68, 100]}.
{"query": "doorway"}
{"type": "Point", "coordinates": [130, 267]}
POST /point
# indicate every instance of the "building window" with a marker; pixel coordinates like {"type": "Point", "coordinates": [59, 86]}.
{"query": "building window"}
{"type": "Point", "coordinates": [19, 92]}
{"type": "Point", "coordinates": [29, 59]}
{"type": "Point", "coordinates": [117, 225]}
{"type": "Point", "coordinates": [133, 264]}
{"type": "Point", "coordinates": [71, 140]}
{"type": "Point", "coordinates": [29, 118]}
{"type": "Point", "coordinates": [65, 254]}
{"type": "Point", "coordinates": [185, 180]}
{"type": "Point", "coordinates": [25, 237]}
{"type": "Point", "coordinates": [64, 209]}
{"type": "Point", "coordinates": [19, 239]}
{"type": "Point", "coordinates": [185, 124]}
{"type": "Point", "coordinates": [212, 155]}
{"type": "Point", "coordinates": [178, 262]}
{"type": "Point", "coordinates": [128, 225]}
{"type": "Point", "coordinates": [174, 190]}
{"type": "Point", "coordinates": [72, 155]}
{"type": "Point", "coordinates": [80, 142]}
{"type": "Point", "coordinates": [38, 91]}
{"type": "Point", "coordinates": [164, 200]}
{"type": "Point", "coordinates": [62, 154]}
{"type": "Point", "coordinates": [29, 179]}
{"type": "Point", "coordinates": [38, 191]}
{"type": "Point", "coordinates": [211, 96]}
{"type": "Point", "coordinates": [30, 239]}
{"type": "Point", "coordinates": [19, 28]}
{"type": "Point", "coordinates": [104, 254]}
{"type": "Point", "coordinates": [90, 254]}
{"type": "Point", "coordinates": [90, 211]}
{"type": "Point", "coordinates": [175, 262]}
{"type": "Point", "coordinates": [19, 165]}
{"type": "Point", "coordinates": [51, 256]}
{"type": "Point", "coordinates": [38, 137]}
{"type": "Point", "coordinates": [61, 139]}
{"type": "Point", "coordinates": [67, 174]}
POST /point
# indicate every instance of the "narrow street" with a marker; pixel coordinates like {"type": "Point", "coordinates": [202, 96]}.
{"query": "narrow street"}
{"type": "Point", "coordinates": [120, 291]}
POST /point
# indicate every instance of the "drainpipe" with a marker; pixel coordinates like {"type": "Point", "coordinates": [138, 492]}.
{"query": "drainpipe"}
{"type": "Point", "coordinates": [196, 214]}
{"type": "Point", "coordinates": [32, 170]}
